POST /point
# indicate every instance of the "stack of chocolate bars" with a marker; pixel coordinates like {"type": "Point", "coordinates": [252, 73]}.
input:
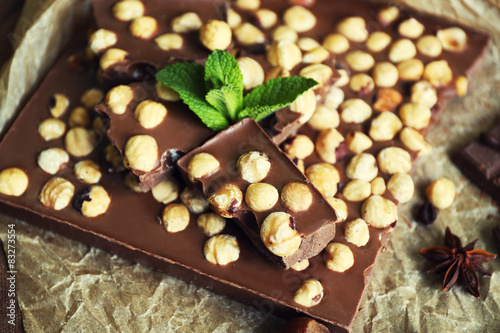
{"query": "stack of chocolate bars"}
{"type": "Point", "coordinates": [287, 214]}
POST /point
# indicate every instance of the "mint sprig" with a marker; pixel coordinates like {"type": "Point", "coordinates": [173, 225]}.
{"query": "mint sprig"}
{"type": "Point", "coordinates": [214, 92]}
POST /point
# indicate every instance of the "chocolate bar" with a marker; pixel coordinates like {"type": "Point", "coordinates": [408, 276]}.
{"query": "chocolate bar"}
{"type": "Point", "coordinates": [480, 161]}
{"type": "Point", "coordinates": [250, 179]}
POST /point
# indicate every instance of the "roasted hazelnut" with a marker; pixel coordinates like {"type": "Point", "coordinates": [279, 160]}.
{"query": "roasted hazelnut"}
{"type": "Point", "coordinates": [51, 129]}
{"type": "Point", "coordinates": [334, 98]}
{"type": "Point", "coordinates": [247, 4]}
{"type": "Point", "coordinates": [438, 73]}
{"type": "Point", "coordinates": [358, 142]}
{"type": "Point", "coordinates": [143, 27]}
{"type": "Point", "coordinates": [13, 182]}
{"type": "Point", "coordinates": [92, 201]}
{"type": "Point", "coordinates": [424, 93]}
{"type": "Point", "coordinates": [362, 84]}
{"type": "Point", "coordinates": [429, 46]}
{"type": "Point", "coordinates": [252, 71]}
{"type": "Point", "coordinates": [92, 97]}
{"type": "Point", "coordinates": [118, 98]}
{"type": "Point", "coordinates": [319, 72]}
{"type": "Point", "coordinates": [166, 191]}
{"type": "Point", "coordinates": [385, 126]}
{"type": "Point", "coordinates": [216, 34]}
{"type": "Point", "coordinates": [211, 224]}
{"type": "Point", "coordinates": [261, 196]}
{"type": "Point", "coordinates": [233, 18]}
{"type": "Point", "coordinates": [141, 153]}
{"type": "Point", "coordinates": [284, 32]}
{"type": "Point", "coordinates": [150, 114]}
{"type": "Point", "coordinates": [284, 54]}
{"type": "Point", "coordinates": [111, 57]}
{"type": "Point", "coordinates": [378, 41]}
{"type": "Point", "coordinates": [80, 117]}
{"type": "Point", "coordinates": [279, 234]}
{"type": "Point", "coordinates": [388, 99]}
{"type": "Point", "coordinates": [379, 212]}
{"type": "Point", "coordinates": [327, 143]}
{"type": "Point", "coordinates": [357, 190]}
{"type": "Point", "coordinates": [310, 293]}
{"type": "Point", "coordinates": [385, 75]}
{"type": "Point", "coordinates": [360, 61]}
{"type": "Point", "coordinates": [221, 249]}
{"type": "Point", "coordinates": [356, 232]}
{"type": "Point", "coordinates": [276, 72]}
{"type": "Point", "coordinates": [195, 202]}
{"type": "Point", "coordinates": [415, 115]}
{"type": "Point", "coordinates": [305, 104]}
{"type": "Point", "coordinates": [57, 193]}
{"type": "Point", "coordinates": [343, 79]}
{"type": "Point", "coordinates": [169, 41]}
{"type": "Point", "coordinates": [113, 157]}
{"type": "Point", "coordinates": [186, 22]}
{"type": "Point", "coordinates": [52, 160]}
{"type": "Point", "coordinates": [324, 118]}
{"type": "Point", "coordinates": [354, 28]}
{"type": "Point", "coordinates": [378, 186]}
{"type": "Point", "coordinates": [411, 28]}
{"type": "Point", "coordinates": [414, 141]}
{"type": "Point", "coordinates": [454, 39]}
{"type": "Point", "coordinates": [324, 177]}
{"type": "Point", "coordinates": [102, 39]}
{"type": "Point", "coordinates": [299, 147]}
{"type": "Point", "coordinates": [296, 196]}
{"type": "Point", "coordinates": [300, 266]}
{"type": "Point", "coordinates": [58, 104]}
{"type": "Point", "coordinates": [127, 10]}
{"type": "Point", "coordinates": [461, 85]}
{"type": "Point", "coordinates": [394, 160]}
{"type": "Point", "coordinates": [336, 43]}
{"type": "Point", "coordinates": [316, 55]}
{"type": "Point", "coordinates": [166, 93]}
{"type": "Point", "coordinates": [411, 70]}
{"type": "Point", "coordinates": [441, 193]}
{"type": "Point", "coordinates": [339, 206]}
{"type": "Point", "coordinates": [80, 141]}
{"type": "Point", "coordinates": [362, 166]}
{"type": "Point", "coordinates": [402, 49]}
{"type": "Point", "coordinates": [132, 183]}
{"type": "Point", "coordinates": [254, 166]}
{"type": "Point", "coordinates": [87, 171]}
{"type": "Point", "coordinates": [338, 257]}
{"type": "Point", "coordinates": [401, 187]}
{"type": "Point", "coordinates": [266, 18]}
{"type": "Point", "coordinates": [299, 18]}
{"type": "Point", "coordinates": [201, 165]}
{"type": "Point", "coordinates": [355, 111]}
{"type": "Point", "coordinates": [175, 217]}
{"type": "Point", "coordinates": [248, 34]}
{"type": "Point", "coordinates": [388, 15]}
{"type": "Point", "coordinates": [226, 200]}
{"type": "Point", "coordinates": [307, 44]}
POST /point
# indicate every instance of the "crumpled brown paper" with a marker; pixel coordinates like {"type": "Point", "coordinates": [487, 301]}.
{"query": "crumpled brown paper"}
{"type": "Point", "coordinates": [66, 286]}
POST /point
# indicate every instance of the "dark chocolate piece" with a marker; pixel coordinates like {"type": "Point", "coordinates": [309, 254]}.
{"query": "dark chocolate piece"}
{"type": "Point", "coordinates": [427, 213]}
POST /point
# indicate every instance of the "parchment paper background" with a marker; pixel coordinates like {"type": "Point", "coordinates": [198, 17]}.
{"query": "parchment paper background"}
{"type": "Point", "coordinates": [66, 286]}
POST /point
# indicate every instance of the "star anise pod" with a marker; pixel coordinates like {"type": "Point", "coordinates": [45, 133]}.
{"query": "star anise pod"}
{"type": "Point", "coordinates": [459, 263]}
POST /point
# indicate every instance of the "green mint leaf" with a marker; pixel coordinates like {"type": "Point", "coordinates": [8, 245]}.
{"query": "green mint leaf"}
{"type": "Point", "coordinates": [274, 95]}
{"type": "Point", "coordinates": [221, 69]}
{"type": "Point", "coordinates": [227, 100]}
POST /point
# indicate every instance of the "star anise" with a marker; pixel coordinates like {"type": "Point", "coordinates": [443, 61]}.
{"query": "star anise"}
{"type": "Point", "coordinates": [459, 263]}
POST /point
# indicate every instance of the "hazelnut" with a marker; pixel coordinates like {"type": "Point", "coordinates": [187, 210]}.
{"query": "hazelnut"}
{"type": "Point", "coordinates": [166, 191]}
{"type": "Point", "coordinates": [414, 141]}
{"type": "Point", "coordinates": [438, 73]}
{"type": "Point", "coordinates": [338, 257]}
{"type": "Point", "coordinates": [166, 93]}
{"type": "Point", "coordinates": [305, 104]}
{"type": "Point", "coordinates": [254, 166]}
{"type": "Point", "coordinates": [87, 171]}
{"type": "Point", "coordinates": [393, 160]}
{"type": "Point", "coordinates": [261, 196]}
{"type": "Point", "coordinates": [150, 114]}
{"type": "Point", "coordinates": [194, 201]}
{"type": "Point", "coordinates": [141, 153]}
{"type": "Point", "coordinates": [307, 44]}
{"type": "Point", "coordinates": [461, 85]}
{"type": "Point", "coordinates": [221, 249]}
{"type": "Point", "coordinates": [201, 165]}
{"type": "Point", "coordinates": [279, 234]}
{"type": "Point", "coordinates": [360, 61]}
{"type": "Point", "coordinates": [186, 22]}
{"type": "Point", "coordinates": [378, 186]}
{"type": "Point", "coordinates": [402, 49]}
{"type": "Point", "coordinates": [357, 190]}
{"type": "Point", "coordinates": [252, 71]}
{"type": "Point", "coordinates": [378, 41]}
{"type": "Point", "coordinates": [211, 224]}
{"type": "Point", "coordinates": [92, 97]}
{"type": "Point", "coordinates": [343, 79]}
{"type": "Point", "coordinates": [266, 18]}
{"type": "Point", "coordinates": [324, 177]}
{"type": "Point", "coordinates": [79, 117]}
{"type": "Point", "coordinates": [58, 104]}
{"type": "Point", "coordinates": [102, 39]}
{"type": "Point", "coordinates": [299, 147]}
{"type": "Point", "coordinates": [132, 183]}
{"type": "Point", "coordinates": [216, 34]}
{"type": "Point", "coordinates": [362, 166]}
{"type": "Point", "coordinates": [424, 93]}
{"type": "Point", "coordinates": [300, 165]}
{"type": "Point", "coordinates": [113, 157]}
{"type": "Point", "coordinates": [169, 41]}
{"type": "Point", "coordinates": [284, 32]}
{"type": "Point", "coordinates": [354, 28]}
{"type": "Point", "coordinates": [226, 200]}
{"type": "Point", "coordinates": [388, 15]}
{"type": "Point", "coordinates": [175, 217]}
{"type": "Point", "coordinates": [319, 72]}
{"type": "Point", "coordinates": [358, 142]}
{"type": "Point", "coordinates": [276, 72]}
{"type": "Point", "coordinates": [336, 43]}
{"type": "Point", "coordinates": [143, 27]}
{"type": "Point", "coordinates": [355, 111]}
{"type": "Point", "coordinates": [13, 182]}
{"type": "Point", "coordinates": [411, 28]}
{"type": "Point", "coordinates": [248, 34]}
{"type": "Point", "coordinates": [401, 187]}
{"type": "Point", "coordinates": [334, 98]}
{"type": "Point", "coordinates": [56, 193]}
{"type": "Point", "coordinates": [127, 10]}
{"type": "Point", "coordinates": [92, 201]}
{"type": "Point", "coordinates": [284, 54]}
{"type": "Point", "coordinates": [247, 4]}
{"type": "Point", "coordinates": [310, 293]}
{"type": "Point", "coordinates": [316, 55]}
{"type": "Point", "coordinates": [379, 212]}
{"type": "Point", "coordinates": [324, 118]}
{"type": "Point", "coordinates": [362, 84]}
{"type": "Point", "coordinates": [441, 193]}
{"type": "Point", "coordinates": [327, 143]}
{"type": "Point", "coordinates": [80, 141]}
{"type": "Point", "coordinates": [52, 160]}
{"type": "Point", "coordinates": [429, 46]}
{"type": "Point", "coordinates": [415, 115]}
{"type": "Point", "coordinates": [111, 57]}
{"type": "Point", "coordinates": [118, 98]}
{"type": "Point", "coordinates": [454, 39]}
{"type": "Point", "coordinates": [411, 70]}
{"type": "Point", "coordinates": [339, 206]}
{"type": "Point", "coordinates": [296, 196]}
{"type": "Point", "coordinates": [356, 232]}
{"type": "Point", "coordinates": [51, 129]}
{"type": "Point", "coordinates": [385, 126]}
{"type": "Point", "coordinates": [388, 99]}
{"type": "Point", "coordinates": [299, 18]}
{"type": "Point", "coordinates": [385, 75]}
{"type": "Point", "coordinates": [233, 18]}
{"type": "Point", "coordinates": [300, 266]}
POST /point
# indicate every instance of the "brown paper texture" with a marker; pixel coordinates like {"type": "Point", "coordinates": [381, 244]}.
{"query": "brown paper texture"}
{"type": "Point", "coordinates": [66, 286]}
